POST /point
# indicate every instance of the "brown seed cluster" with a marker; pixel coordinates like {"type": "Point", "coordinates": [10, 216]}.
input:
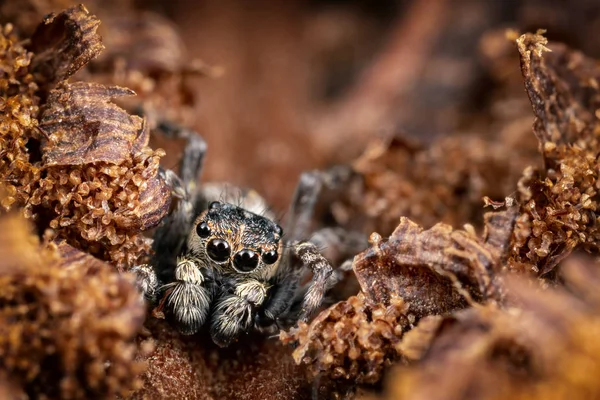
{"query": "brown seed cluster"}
{"type": "Point", "coordinates": [67, 321]}
{"type": "Point", "coordinates": [352, 340]}
{"type": "Point", "coordinates": [18, 117]}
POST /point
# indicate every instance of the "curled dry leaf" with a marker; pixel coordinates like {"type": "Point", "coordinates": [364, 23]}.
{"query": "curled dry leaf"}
{"type": "Point", "coordinates": [84, 126]}
{"type": "Point", "coordinates": [433, 270]}
{"type": "Point", "coordinates": [68, 320]}
{"type": "Point", "coordinates": [558, 212]}
{"type": "Point", "coordinates": [63, 44]}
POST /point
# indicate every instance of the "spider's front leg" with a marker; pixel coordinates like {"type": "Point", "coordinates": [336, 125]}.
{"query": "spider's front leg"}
{"type": "Point", "coordinates": [321, 280]}
{"type": "Point", "coordinates": [170, 236]}
{"type": "Point", "coordinates": [186, 301]}
{"type": "Point", "coordinates": [234, 312]}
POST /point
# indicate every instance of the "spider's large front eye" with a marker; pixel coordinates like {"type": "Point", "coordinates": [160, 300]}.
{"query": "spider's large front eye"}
{"type": "Point", "coordinates": [270, 257]}
{"type": "Point", "coordinates": [245, 260]}
{"type": "Point", "coordinates": [203, 230]}
{"type": "Point", "coordinates": [218, 250]}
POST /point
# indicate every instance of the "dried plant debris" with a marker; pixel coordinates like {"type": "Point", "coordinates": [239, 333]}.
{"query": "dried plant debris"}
{"type": "Point", "coordinates": [97, 183]}
{"type": "Point", "coordinates": [145, 52]}
{"type": "Point", "coordinates": [558, 212]}
{"type": "Point", "coordinates": [441, 271]}
{"type": "Point", "coordinates": [142, 41]}
{"type": "Point", "coordinates": [63, 43]}
{"type": "Point", "coordinates": [67, 321]}
{"type": "Point", "coordinates": [414, 274]}
{"type": "Point", "coordinates": [544, 348]}
{"type": "Point", "coordinates": [444, 182]}
{"type": "Point", "coordinates": [352, 340]}
{"type": "Point", "coordinates": [84, 127]}
{"type": "Point", "coordinates": [19, 107]}
{"type": "Point", "coordinates": [27, 14]}
{"type": "Point", "coordinates": [101, 178]}
{"type": "Point", "coordinates": [433, 270]}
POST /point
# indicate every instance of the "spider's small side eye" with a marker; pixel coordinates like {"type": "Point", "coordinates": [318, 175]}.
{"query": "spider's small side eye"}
{"type": "Point", "coordinates": [245, 260]}
{"type": "Point", "coordinates": [270, 257]}
{"type": "Point", "coordinates": [214, 205]}
{"type": "Point", "coordinates": [218, 249]}
{"type": "Point", "coordinates": [279, 230]}
{"type": "Point", "coordinates": [203, 230]}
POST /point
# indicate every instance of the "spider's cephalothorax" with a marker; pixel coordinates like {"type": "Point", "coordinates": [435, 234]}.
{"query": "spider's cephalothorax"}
{"type": "Point", "coordinates": [224, 264]}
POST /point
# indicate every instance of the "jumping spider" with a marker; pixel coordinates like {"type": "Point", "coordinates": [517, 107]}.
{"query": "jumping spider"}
{"type": "Point", "coordinates": [226, 263]}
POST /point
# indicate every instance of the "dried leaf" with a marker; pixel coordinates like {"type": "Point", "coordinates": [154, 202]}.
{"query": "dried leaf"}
{"type": "Point", "coordinates": [84, 126]}
{"type": "Point", "coordinates": [63, 43]}
{"type": "Point", "coordinates": [425, 268]}
{"type": "Point", "coordinates": [543, 347]}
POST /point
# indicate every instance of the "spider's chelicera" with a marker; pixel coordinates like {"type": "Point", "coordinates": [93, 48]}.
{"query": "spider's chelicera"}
{"type": "Point", "coordinates": [223, 263]}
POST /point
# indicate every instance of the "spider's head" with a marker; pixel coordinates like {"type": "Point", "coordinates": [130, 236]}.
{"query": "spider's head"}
{"type": "Point", "coordinates": [234, 240]}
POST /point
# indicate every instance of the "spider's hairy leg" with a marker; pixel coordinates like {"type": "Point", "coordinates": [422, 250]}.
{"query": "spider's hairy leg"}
{"type": "Point", "coordinates": [315, 192]}
{"type": "Point", "coordinates": [170, 236]}
{"type": "Point", "coordinates": [338, 244]}
{"type": "Point", "coordinates": [233, 313]}
{"type": "Point", "coordinates": [186, 300]}
{"type": "Point", "coordinates": [302, 207]}
{"type": "Point", "coordinates": [321, 280]}
{"type": "Point", "coordinates": [146, 280]}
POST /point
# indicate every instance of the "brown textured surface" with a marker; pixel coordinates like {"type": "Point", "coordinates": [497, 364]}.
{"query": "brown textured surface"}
{"type": "Point", "coordinates": [99, 186]}
{"type": "Point", "coordinates": [67, 332]}
{"type": "Point", "coordinates": [351, 341]}
{"type": "Point", "coordinates": [63, 44]}
{"type": "Point", "coordinates": [84, 126]}
{"type": "Point", "coordinates": [443, 182]}
{"type": "Point", "coordinates": [559, 204]}
{"type": "Point", "coordinates": [547, 349]}
{"type": "Point", "coordinates": [258, 119]}
{"type": "Point", "coordinates": [422, 267]}
{"type": "Point", "coordinates": [191, 367]}
{"type": "Point", "coordinates": [19, 106]}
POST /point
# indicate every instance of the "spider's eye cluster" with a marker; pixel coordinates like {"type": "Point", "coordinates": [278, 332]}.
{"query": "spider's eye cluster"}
{"type": "Point", "coordinates": [218, 250]}
{"type": "Point", "coordinates": [245, 260]}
